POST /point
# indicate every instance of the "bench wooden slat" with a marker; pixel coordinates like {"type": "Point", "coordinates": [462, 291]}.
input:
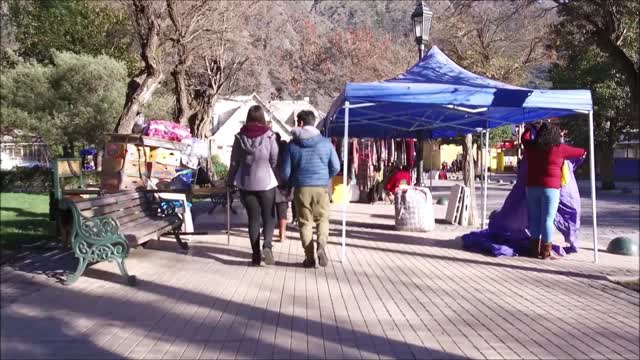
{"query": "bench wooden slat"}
{"type": "Point", "coordinates": [147, 231]}
{"type": "Point", "coordinates": [114, 209]}
{"type": "Point", "coordinates": [149, 228]}
{"type": "Point", "coordinates": [145, 223]}
{"type": "Point", "coordinates": [127, 227]}
{"type": "Point", "coordinates": [125, 220]}
{"type": "Point", "coordinates": [108, 200]}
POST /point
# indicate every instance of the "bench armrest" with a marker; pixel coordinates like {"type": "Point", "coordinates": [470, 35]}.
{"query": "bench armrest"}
{"type": "Point", "coordinates": [98, 229]}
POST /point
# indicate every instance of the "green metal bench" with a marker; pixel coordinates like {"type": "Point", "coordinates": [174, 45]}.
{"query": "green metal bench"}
{"type": "Point", "coordinates": [105, 228]}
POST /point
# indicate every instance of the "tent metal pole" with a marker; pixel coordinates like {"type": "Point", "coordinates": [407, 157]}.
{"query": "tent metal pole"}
{"type": "Point", "coordinates": [345, 191]}
{"type": "Point", "coordinates": [431, 167]}
{"type": "Point", "coordinates": [481, 161]}
{"type": "Point", "coordinates": [592, 170]}
{"type": "Point", "coordinates": [486, 179]}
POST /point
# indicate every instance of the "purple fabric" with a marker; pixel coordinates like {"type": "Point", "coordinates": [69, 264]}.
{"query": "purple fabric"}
{"type": "Point", "coordinates": [507, 234]}
{"type": "Point", "coordinates": [567, 219]}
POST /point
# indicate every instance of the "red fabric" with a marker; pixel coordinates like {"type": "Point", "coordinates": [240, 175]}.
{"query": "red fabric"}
{"type": "Point", "coordinates": [396, 179]}
{"type": "Point", "coordinates": [410, 148]}
{"type": "Point", "coordinates": [254, 130]}
{"type": "Point", "coordinates": [545, 168]}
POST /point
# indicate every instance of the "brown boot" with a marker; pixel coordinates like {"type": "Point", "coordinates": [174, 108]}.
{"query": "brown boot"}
{"type": "Point", "coordinates": [534, 248]}
{"type": "Point", "coordinates": [282, 229]}
{"type": "Point", "coordinates": [309, 256]}
{"type": "Point", "coordinates": [547, 253]}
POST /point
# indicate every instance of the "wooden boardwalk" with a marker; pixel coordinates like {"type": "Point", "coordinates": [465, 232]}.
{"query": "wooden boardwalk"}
{"type": "Point", "coordinates": [399, 295]}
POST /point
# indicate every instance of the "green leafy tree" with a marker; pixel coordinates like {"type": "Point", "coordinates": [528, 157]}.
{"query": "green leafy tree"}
{"type": "Point", "coordinates": [220, 169]}
{"type": "Point", "coordinates": [84, 27]}
{"type": "Point", "coordinates": [597, 45]}
{"type": "Point", "coordinates": [610, 26]}
{"type": "Point", "coordinates": [612, 106]}
{"type": "Point", "coordinates": [71, 103]}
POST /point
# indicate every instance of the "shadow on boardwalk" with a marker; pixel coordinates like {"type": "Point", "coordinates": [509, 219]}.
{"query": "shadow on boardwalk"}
{"type": "Point", "coordinates": [33, 336]}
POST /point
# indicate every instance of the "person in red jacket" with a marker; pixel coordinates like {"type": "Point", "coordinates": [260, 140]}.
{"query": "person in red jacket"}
{"type": "Point", "coordinates": [400, 177]}
{"type": "Point", "coordinates": [545, 154]}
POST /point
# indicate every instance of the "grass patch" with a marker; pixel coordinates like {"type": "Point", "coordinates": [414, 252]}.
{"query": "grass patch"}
{"type": "Point", "coordinates": [24, 219]}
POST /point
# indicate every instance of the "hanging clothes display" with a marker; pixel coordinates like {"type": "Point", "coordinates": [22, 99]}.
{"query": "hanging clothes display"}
{"type": "Point", "coordinates": [368, 157]}
{"type": "Point", "coordinates": [365, 176]}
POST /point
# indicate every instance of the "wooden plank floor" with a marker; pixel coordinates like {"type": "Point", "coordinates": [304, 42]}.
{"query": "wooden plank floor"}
{"type": "Point", "coordinates": [398, 295]}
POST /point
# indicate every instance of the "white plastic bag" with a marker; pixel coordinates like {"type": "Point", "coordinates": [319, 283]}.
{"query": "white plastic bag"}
{"type": "Point", "coordinates": [414, 210]}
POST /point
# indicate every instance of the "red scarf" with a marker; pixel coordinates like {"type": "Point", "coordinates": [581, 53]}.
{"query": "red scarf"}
{"type": "Point", "coordinates": [254, 130]}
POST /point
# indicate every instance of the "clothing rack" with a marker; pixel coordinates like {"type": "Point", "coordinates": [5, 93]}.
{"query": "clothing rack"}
{"type": "Point", "coordinates": [367, 154]}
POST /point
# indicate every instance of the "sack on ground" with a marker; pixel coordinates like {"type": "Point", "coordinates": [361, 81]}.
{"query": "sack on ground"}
{"type": "Point", "coordinates": [414, 210]}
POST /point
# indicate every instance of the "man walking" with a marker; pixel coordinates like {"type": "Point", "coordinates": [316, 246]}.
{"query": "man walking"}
{"type": "Point", "coordinates": [309, 164]}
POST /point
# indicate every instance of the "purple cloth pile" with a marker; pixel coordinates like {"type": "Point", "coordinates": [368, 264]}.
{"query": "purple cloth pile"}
{"type": "Point", "coordinates": [507, 234]}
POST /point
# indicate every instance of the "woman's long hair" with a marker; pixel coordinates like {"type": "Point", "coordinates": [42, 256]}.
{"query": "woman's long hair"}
{"type": "Point", "coordinates": [548, 136]}
{"type": "Point", "coordinates": [256, 115]}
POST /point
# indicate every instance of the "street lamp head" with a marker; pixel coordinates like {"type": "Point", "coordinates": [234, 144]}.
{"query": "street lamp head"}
{"type": "Point", "coordinates": [421, 18]}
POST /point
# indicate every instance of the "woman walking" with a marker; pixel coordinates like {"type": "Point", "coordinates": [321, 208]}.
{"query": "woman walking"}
{"type": "Point", "coordinates": [545, 156]}
{"type": "Point", "coordinates": [283, 192]}
{"type": "Point", "coordinates": [253, 160]}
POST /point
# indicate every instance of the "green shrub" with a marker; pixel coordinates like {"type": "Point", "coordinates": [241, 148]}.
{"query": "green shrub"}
{"type": "Point", "coordinates": [219, 168]}
{"type": "Point", "coordinates": [26, 180]}
{"type": "Point", "coordinates": [39, 180]}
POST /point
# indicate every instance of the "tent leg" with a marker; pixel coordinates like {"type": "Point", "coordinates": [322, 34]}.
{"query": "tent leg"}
{"type": "Point", "coordinates": [486, 179]}
{"type": "Point", "coordinates": [592, 170]}
{"type": "Point", "coordinates": [430, 167]}
{"type": "Point", "coordinates": [345, 191]}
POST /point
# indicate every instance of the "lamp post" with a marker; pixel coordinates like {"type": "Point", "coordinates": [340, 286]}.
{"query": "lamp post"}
{"type": "Point", "coordinates": [421, 19]}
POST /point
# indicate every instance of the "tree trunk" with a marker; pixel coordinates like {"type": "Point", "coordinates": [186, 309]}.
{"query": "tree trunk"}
{"type": "Point", "coordinates": [67, 150]}
{"type": "Point", "coordinates": [468, 174]}
{"type": "Point", "coordinates": [606, 167]}
{"type": "Point", "coordinates": [184, 110]}
{"type": "Point", "coordinates": [200, 122]}
{"type": "Point", "coordinates": [148, 23]}
{"type": "Point", "coordinates": [141, 96]}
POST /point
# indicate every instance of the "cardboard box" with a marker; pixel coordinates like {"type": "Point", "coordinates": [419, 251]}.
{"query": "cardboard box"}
{"type": "Point", "coordinates": [165, 156]}
{"type": "Point", "coordinates": [132, 183]}
{"type": "Point", "coordinates": [136, 168]}
{"type": "Point", "coordinates": [138, 152]}
{"type": "Point", "coordinates": [162, 171]}
{"type": "Point", "coordinates": [119, 182]}
{"type": "Point", "coordinates": [68, 168]}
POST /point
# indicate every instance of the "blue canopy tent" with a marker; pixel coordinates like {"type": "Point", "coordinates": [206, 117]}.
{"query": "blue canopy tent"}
{"type": "Point", "coordinates": [436, 98]}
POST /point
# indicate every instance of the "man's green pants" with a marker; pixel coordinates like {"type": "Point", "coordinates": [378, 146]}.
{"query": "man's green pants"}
{"type": "Point", "coordinates": [312, 207]}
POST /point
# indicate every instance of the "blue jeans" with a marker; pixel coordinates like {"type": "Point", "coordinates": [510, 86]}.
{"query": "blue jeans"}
{"type": "Point", "coordinates": [542, 205]}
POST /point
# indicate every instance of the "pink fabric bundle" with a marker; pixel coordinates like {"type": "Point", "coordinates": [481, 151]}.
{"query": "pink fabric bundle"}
{"type": "Point", "coordinates": [168, 130]}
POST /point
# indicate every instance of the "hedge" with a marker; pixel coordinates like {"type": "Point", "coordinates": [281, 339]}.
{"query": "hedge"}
{"type": "Point", "coordinates": [37, 180]}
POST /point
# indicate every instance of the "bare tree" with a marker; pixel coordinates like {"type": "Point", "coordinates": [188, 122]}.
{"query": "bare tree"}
{"type": "Point", "coordinates": [321, 62]}
{"type": "Point", "coordinates": [222, 71]}
{"type": "Point", "coordinates": [500, 40]}
{"type": "Point", "coordinates": [190, 20]}
{"type": "Point", "coordinates": [147, 15]}
{"type": "Point", "coordinates": [205, 65]}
